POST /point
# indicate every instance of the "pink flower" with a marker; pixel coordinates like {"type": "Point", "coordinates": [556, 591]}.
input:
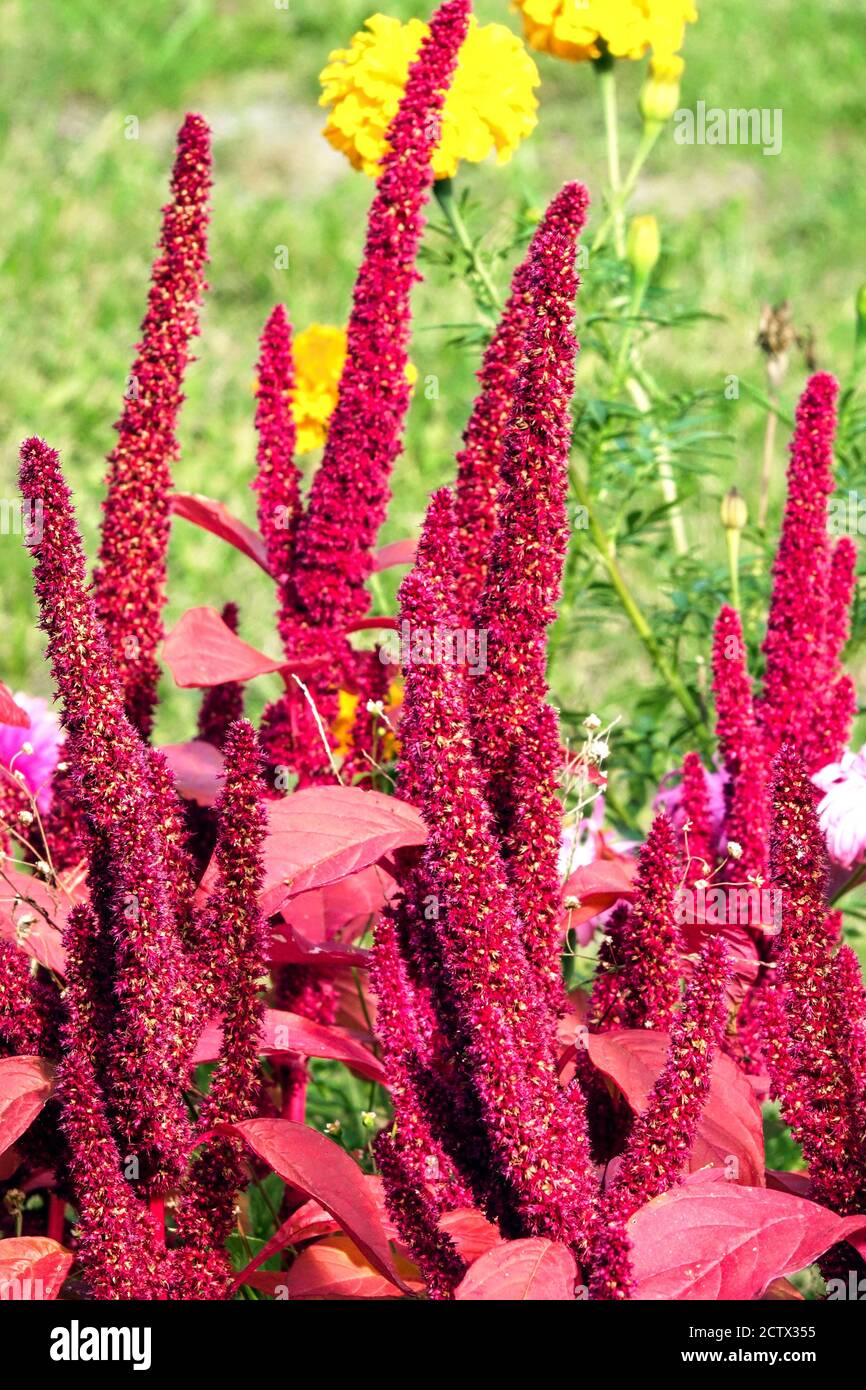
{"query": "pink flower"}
{"type": "Point", "coordinates": [842, 811]}
{"type": "Point", "coordinates": [45, 738]}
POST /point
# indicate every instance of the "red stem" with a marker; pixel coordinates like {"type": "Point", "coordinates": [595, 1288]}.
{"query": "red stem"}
{"type": "Point", "coordinates": [56, 1218]}
{"type": "Point", "coordinates": [295, 1092]}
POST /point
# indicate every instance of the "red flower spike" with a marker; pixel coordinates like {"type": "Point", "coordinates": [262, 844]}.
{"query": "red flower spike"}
{"type": "Point", "coordinates": [129, 582]}
{"type": "Point", "coordinates": [698, 839]}
{"type": "Point", "coordinates": [663, 1135]}
{"type": "Point", "coordinates": [118, 1248]}
{"type": "Point", "coordinates": [206, 1214]}
{"type": "Point", "coordinates": [811, 591]}
{"type": "Point", "coordinates": [222, 704]}
{"type": "Point", "coordinates": [535, 1131]}
{"type": "Point", "coordinates": [514, 730]}
{"type": "Point", "coordinates": [748, 812]}
{"type": "Point", "coordinates": [350, 492]}
{"type": "Point", "coordinates": [479, 462]}
{"type": "Point", "coordinates": [416, 1217]}
{"type": "Point", "coordinates": [611, 1278]}
{"type": "Point", "coordinates": [130, 866]}
{"type": "Point", "coordinates": [646, 943]}
{"type": "Point", "coordinates": [817, 1074]}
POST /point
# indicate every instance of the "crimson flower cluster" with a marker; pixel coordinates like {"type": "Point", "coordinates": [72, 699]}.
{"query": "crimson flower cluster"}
{"type": "Point", "coordinates": [146, 967]}
{"type": "Point", "coordinates": [466, 961]}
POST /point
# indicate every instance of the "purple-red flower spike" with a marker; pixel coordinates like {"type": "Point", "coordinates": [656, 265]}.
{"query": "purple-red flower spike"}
{"type": "Point", "coordinates": [129, 582]}
{"type": "Point", "coordinates": [514, 730]}
{"type": "Point", "coordinates": [663, 1135]}
{"type": "Point", "coordinates": [806, 622]}
{"type": "Point", "coordinates": [641, 989]}
{"type": "Point", "coordinates": [28, 1006]}
{"type": "Point", "coordinates": [536, 1132]}
{"type": "Point", "coordinates": [118, 1248]}
{"type": "Point", "coordinates": [479, 462]}
{"type": "Point", "coordinates": [747, 821]}
{"type": "Point", "coordinates": [131, 886]}
{"type": "Point", "coordinates": [222, 704]}
{"type": "Point", "coordinates": [698, 845]}
{"type": "Point", "coordinates": [350, 492]}
{"type": "Point", "coordinates": [408, 1030]}
{"type": "Point", "coordinates": [277, 478]}
{"type": "Point", "coordinates": [818, 1079]}
{"type": "Point", "coordinates": [206, 1214]}
{"type": "Point", "coordinates": [416, 1217]}
{"type": "Point", "coordinates": [611, 1278]}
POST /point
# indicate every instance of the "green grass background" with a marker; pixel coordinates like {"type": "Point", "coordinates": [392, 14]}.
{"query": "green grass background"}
{"type": "Point", "coordinates": [81, 213]}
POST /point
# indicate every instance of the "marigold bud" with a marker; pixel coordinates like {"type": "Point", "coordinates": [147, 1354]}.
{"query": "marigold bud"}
{"type": "Point", "coordinates": [660, 93]}
{"type": "Point", "coordinates": [644, 245]}
{"type": "Point", "coordinates": [734, 512]}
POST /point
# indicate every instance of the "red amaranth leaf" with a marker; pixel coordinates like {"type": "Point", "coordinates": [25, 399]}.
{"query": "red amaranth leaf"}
{"type": "Point", "coordinates": [10, 713]}
{"type": "Point", "coordinates": [202, 651]}
{"type": "Point", "coordinates": [334, 1268]}
{"type": "Point", "coordinates": [28, 928]}
{"type": "Point", "coordinates": [288, 947]}
{"type": "Point", "coordinates": [719, 1241]}
{"type": "Point", "coordinates": [598, 886]}
{"type": "Point", "coordinates": [286, 1033]}
{"type": "Point", "coordinates": [323, 834]}
{"type": "Point", "coordinates": [397, 553]}
{"type": "Point", "coordinates": [306, 1160]}
{"type": "Point", "coordinates": [730, 1126]}
{"type": "Point", "coordinates": [321, 913]}
{"type": "Point", "coordinates": [535, 1270]}
{"type": "Point", "coordinates": [216, 518]}
{"type": "Point", "coordinates": [471, 1232]}
{"type": "Point", "coordinates": [32, 1268]}
{"type": "Point", "coordinates": [197, 768]}
{"type": "Point", "coordinates": [25, 1085]}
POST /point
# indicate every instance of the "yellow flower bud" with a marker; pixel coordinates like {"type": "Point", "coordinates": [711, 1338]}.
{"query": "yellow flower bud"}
{"type": "Point", "coordinates": [734, 511]}
{"type": "Point", "coordinates": [660, 93]}
{"type": "Point", "coordinates": [644, 245]}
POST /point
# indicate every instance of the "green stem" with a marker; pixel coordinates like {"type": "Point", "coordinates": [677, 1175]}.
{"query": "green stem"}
{"type": "Point", "coordinates": [607, 81]}
{"type": "Point", "coordinates": [444, 191]}
{"type": "Point", "coordinates": [633, 612]}
{"type": "Point", "coordinates": [667, 481]}
{"type": "Point", "coordinates": [732, 537]}
{"type": "Point", "coordinates": [651, 132]}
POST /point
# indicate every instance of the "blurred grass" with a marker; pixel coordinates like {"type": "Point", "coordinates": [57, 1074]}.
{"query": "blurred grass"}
{"type": "Point", "coordinates": [81, 213]}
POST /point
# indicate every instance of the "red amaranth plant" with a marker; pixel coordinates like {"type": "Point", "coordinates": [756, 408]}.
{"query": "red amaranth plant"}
{"type": "Point", "coordinates": [131, 575]}
{"type": "Point", "coordinates": [639, 983]}
{"type": "Point", "coordinates": [812, 590]}
{"type": "Point", "coordinates": [742, 747]}
{"type": "Point", "coordinates": [514, 731]}
{"type": "Point", "coordinates": [817, 1064]}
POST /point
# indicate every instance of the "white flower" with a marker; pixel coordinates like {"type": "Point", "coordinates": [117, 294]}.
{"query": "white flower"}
{"type": "Point", "coordinates": [842, 811]}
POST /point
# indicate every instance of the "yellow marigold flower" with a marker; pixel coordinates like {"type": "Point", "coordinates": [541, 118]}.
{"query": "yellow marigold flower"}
{"type": "Point", "coordinates": [347, 714]}
{"type": "Point", "coordinates": [345, 721]}
{"type": "Point", "coordinates": [319, 353]}
{"type": "Point", "coordinates": [583, 29]}
{"type": "Point", "coordinates": [491, 104]}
